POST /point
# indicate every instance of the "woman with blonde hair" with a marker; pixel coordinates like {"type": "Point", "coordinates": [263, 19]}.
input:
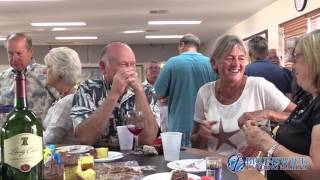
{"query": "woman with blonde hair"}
{"type": "Point", "coordinates": [221, 103]}
{"type": "Point", "coordinates": [299, 135]}
{"type": "Point", "coordinates": [62, 72]}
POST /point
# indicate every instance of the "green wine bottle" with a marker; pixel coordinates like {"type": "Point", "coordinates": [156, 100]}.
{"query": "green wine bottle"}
{"type": "Point", "coordinates": [21, 139]}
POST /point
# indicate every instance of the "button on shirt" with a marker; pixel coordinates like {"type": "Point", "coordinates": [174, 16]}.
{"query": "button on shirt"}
{"type": "Point", "coordinates": [92, 93]}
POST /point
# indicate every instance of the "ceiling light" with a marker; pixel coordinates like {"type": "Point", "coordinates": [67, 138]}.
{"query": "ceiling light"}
{"type": "Point", "coordinates": [161, 11]}
{"type": "Point", "coordinates": [59, 24]}
{"type": "Point", "coordinates": [173, 22]}
{"type": "Point", "coordinates": [75, 37]}
{"type": "Point", "coordinates": [2, 38]}
{"type": "Point", "coordinates": [134, 31]}
{"type": "Point", "coordinates": [59, 29]}
{"type": "Point", "coordinates": [164, 37]}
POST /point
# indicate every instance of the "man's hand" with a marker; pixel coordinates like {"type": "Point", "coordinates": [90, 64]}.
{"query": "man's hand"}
{"type": "Point", "coordinates": [121, 81]}
{"type": "Point", "coordinates": [133, 81]}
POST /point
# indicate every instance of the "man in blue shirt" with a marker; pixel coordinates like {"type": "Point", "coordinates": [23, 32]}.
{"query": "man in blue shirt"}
{"type": "Point", "coordinates": [262, 67]}
{"type": "Point", "coordinates": [179, 81]}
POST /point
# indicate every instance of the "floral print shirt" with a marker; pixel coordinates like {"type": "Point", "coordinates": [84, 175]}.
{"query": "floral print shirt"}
{"type": "Point", "coordinates": [92, 93]}
{"type": "Point", "coordinates": [39, 97]}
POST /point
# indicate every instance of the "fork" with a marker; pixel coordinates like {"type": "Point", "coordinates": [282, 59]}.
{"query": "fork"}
{"type": "Point", "coordinates": [191, 165]}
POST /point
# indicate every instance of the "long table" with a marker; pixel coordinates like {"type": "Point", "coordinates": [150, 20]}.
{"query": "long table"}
{"type": "Point", "coordinates": [192, 153]}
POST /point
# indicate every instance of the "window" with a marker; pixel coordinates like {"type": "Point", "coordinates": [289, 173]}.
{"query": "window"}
{"type": "Point", "coordinates": [298, 27]}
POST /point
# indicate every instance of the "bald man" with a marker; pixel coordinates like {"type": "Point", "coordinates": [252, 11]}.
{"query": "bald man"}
{"type": "Point", "coordinates": [100, 105]}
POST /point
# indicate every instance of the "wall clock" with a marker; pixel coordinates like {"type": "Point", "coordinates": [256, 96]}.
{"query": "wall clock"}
{"type": "Point", "coordinates": [300, 4]}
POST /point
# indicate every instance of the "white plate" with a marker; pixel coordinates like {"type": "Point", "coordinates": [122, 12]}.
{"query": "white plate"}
{"type": "Point", "coordinates": [75, 149]}
{"type": "Point", "coordinates": [166, 176]}
{"type": "Point", "coordinates": [112, 155]}
{"type": "Point", "coordinates": [200, 165]}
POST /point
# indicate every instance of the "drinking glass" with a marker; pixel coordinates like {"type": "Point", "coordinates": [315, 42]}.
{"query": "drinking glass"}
{"type": "Point", "coordinates": [214, 167]}
{"type": "Point", "coordinates": [135, 124]}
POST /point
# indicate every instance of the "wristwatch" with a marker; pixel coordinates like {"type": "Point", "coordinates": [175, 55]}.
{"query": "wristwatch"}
{"type": "Point", "coordinates": [272, 149]}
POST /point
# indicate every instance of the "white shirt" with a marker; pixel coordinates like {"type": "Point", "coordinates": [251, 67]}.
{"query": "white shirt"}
{"type": "Point", "coordinates": [258, 94]}
{"type": "Point", "coordinates": [58, 124]}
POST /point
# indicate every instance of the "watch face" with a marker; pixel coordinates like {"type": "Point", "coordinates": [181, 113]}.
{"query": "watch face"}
{"type": "Point", "coordinates": [300, 4]}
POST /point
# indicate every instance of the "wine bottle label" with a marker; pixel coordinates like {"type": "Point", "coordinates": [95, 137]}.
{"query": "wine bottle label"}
{"type": "Point", "coordinates": [23, 151]}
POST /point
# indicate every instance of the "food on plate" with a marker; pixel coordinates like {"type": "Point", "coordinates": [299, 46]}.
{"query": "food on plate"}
{"type": "Point", "coordinates": [101, 152]}
{"type": "Point", "coordinates": [179, 175]}
{"type": "Point", "coordinates": [88, 174]}
{"type": "Point", "coordinates": [86, 162]}
{"type": "Point", "coordinates": [69, 159]}
{"type": "Point", "coordinates": [108, 172]}
{"type": "Point", "coordinates": [70, 162]}
{"type": "Point", "coordinates": [149, 150]}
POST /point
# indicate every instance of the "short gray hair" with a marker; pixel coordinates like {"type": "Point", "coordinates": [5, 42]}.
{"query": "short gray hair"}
{"type": "Point", "coordinates": [190, 40]}
{"type": "Point", "coordinates": [14, 36]}
{"type": "Point", "coordinates": [65, 63]}
{"type": "Point", "coordinates": [258, 45]}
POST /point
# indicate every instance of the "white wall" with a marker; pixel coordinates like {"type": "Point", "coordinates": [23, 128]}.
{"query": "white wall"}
{"type": "Point", "coordinates": [268, 18]}
{"type": "Point", "coordinates": [90, 54]}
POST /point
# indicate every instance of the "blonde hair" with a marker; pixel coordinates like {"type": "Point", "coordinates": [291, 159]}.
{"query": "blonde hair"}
{"type": "Point", "coordinates": [224, 45]}
{"type": "Point", "coordinates": [309, 45]}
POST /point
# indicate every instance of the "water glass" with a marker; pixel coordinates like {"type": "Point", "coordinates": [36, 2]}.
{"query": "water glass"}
{"type": "Point", "coordinates": [214, 167]}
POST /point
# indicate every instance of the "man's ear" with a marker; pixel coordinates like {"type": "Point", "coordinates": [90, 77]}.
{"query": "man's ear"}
{"type": "Point", "coordinates": [102, 66]}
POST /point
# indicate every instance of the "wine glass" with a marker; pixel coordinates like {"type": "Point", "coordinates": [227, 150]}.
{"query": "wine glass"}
{"type": "Point", "coordinates": [135, 124]}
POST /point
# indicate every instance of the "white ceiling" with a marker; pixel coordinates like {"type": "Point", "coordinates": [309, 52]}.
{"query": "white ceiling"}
{"type": "Point", "coordinates": [108, 18]}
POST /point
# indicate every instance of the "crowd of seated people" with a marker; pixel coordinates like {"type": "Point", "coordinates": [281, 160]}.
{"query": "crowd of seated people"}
{"type": "Point", "coordinates": [228, 113]}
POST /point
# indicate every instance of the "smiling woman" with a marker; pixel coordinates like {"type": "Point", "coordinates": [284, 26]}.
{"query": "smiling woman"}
{"type": "Point", "coordinates": [221, 103]}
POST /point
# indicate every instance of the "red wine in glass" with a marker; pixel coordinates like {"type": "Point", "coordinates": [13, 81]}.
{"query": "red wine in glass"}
{"type": "Point", "coordinates": [135, 124]}
{"type": "Point", "coordinates": [134, 129]}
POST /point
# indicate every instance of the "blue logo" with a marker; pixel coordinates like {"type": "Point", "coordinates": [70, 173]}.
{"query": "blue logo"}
{"type": "Point", "coordinates": [236, 163]}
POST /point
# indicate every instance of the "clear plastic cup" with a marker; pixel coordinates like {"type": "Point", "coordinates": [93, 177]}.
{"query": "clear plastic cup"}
{"type": "Point", "coordinates": [171, 142]}
{"type": "Point", "coordinates": [125, 138]}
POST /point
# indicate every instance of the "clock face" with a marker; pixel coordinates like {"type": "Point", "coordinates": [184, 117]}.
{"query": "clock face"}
{"type": "Point", "coordinates": [300, 4]}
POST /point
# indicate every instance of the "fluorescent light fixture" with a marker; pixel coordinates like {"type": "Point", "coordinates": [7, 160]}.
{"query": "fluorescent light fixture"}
{"type": "Point", "coordinates": [134, 31]}
{"type": "Point", "coordinates": [59, 24]}
{"type": "Point", "coordinates": [2, 38]}
{"type": "Point", "coordinates": [75, 37]}
{"type": "Point", "coordinates": [59, 29]}
{"type": "Point", "coordinates": [173, 22]}
{"type": "Point", "coordinates": [164, 37]}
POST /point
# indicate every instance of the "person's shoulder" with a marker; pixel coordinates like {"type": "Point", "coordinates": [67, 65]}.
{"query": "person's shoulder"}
{"type": "Point", "coordinates": [207, 86]}
{"type": "Point", "coordinates": [6, 73]}
{"type": "Point", "coordinates": [254, 81]}
{"type": "Point", "coordinates": [67, 100]}
{"type": "Point", "coordinates": [91, 84]}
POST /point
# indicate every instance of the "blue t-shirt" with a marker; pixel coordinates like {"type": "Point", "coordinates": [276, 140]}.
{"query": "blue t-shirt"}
{"type": "Point", "coordinates": [179, 80]}
{"type": "Point", "coordinates": [271, 72]}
